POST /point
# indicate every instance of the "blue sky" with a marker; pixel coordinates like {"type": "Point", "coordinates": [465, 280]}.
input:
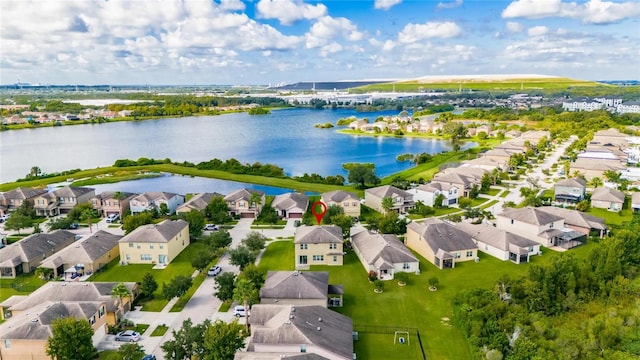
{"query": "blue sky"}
{"type": "Point", "coordinates": [285, 41]}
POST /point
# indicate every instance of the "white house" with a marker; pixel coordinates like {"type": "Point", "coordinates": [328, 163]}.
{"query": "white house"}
{"type": "Point", "coordinates": [153, 199]}
{"type": "Point", "coordinates": [428, 193]}
{"type": "Point", "coordinates": [384, 254]}
{"type": "Point", "coordinates": [501, 244]}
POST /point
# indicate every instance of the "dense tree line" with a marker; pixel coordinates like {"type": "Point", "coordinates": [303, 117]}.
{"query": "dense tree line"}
{"type": "Point", "coordinates": [566, 309]}
{"type": "Point", "coordinates": [319, 179]}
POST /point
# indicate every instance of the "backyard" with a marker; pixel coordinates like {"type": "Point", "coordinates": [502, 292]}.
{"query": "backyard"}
{"type": "Point", "coordinates": [412, 306]}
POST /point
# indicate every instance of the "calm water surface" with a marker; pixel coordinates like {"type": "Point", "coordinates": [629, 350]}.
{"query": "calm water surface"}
{"type": "Point", "coordinates": [285, 137]}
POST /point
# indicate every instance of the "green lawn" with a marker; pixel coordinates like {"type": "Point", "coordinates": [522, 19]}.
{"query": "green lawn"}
{"type": "Point", "coordinates": [110, 355]}
{"type": "Point", "coordinates": [412, 305]}
{"type": "Point", "coordinates": [505, 193]}
{"type": "Point", "coordinates": [27, 284]}
{"type": "Point", "coordinates": [159, 330]}
{"type": "Point", "coordinates": [488, 204]}
{"type": "Point", "coordinates": [492, 192]}
{"type": "Point", "coordinates": [181, 265]}
{"type": "Point", "coordinates": [612, 217]}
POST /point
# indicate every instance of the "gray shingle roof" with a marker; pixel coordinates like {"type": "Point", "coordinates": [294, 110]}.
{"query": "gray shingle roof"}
{"type": "Point", "coordinates": [338, 196]}
{"type": "Point", "coordinates": [635, 198]}
{"type": "Point", "coordinates": [530, 215]}
{"type": "Point", "coordinates": [155, 196]}
{"type": "Point", "coordinates": [387, 248]}
{"type": "Point", "coordinates": [105, 195]}
{"type": "Point", "coordinates": [290, 200]}
{"type": "Point", "coordinates": [22, 193]}
{"type": "Point", "coordinates": [497, 238]}
{"type": "Point", "coordinates": [607, 194]}
{"type": "Point", "coordinates": [442, 236]}
{"type": "Point", "coordinates": [388, 191]}
{"type": "Point", "coordinates": [155, 233]}
{"type": "Point", "coordinates": [200, 201]}
{"type": "Point", "coordinates": [289, 325]}
{"type": "Point", "coordinates": [576, 218]}
{"type": "Point", "coordinates": [572, 182]}
{"type": "Point", "coordinates": [72, 191]}
{"type": "Point", "coordinates": [318, 234]}
{"type": "Point", "coordinates": [295, 285]}
{"type": "Point", "coordinates": [242, 194]}
{"type": "Point", "coordinates": [35, 246]}
{"type": "Point", "coordinates": [85, 251]}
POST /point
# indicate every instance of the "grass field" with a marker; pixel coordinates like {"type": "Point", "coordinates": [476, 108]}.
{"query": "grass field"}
{"type": "Point", "coordinates": [427, 170]}
{"type": "Point", "coordinates": [412, 305]}
{"type": "Point", "coordinates": [29, 283]}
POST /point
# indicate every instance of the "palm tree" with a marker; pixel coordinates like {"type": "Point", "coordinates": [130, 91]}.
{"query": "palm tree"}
{"type": "Point", "coordinates": [596, 182]}
{"type": "Point", "coordinates": [256, 200]}
{"type": "Point", "coordinates": [387, 204]}
{"type": "Point", "coordinates": [245, 292]}
{"type": "Point", "coordinates": [120, 291]}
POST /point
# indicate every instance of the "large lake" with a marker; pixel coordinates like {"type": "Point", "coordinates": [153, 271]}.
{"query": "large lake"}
{"type": "Point", "coordinates": [285, 137]}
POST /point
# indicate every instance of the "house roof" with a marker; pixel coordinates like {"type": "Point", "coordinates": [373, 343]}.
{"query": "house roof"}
{"type": "Point", "coordinates": [498, 152]}
{"type": "Point", "coordinates": [113, 194]}
{"type": "Point", "coordinates": [318, 234]}
{"type": "Point", "coordinates": [72, 191]}
{"type": "Point", "coordinates": [155, 196]}
{"type": "Point", "coordinates": [442, 236]}
{"type": "Point", "coordinates": [33, 246]}
{"type": "Point", "coordinates": [572, 182]}
{"type": "Point", "coordinates": [36, 325]}
{"type": "Point", "coordinates": [635, 198]}
{"type": "Point", "coordinates": [22, 193]}
{"type": "Point", "coordinates": [199, 201]}
{"type": "Point", "coordinates": [338, 196]}
{"type": "Point", "coordinates": [290, 325]}
{"type": "Point", "coordinates": [85, 251]}
{"type": "Point", "coordinates": [295, 285]}
{"type": "Point", "coordinates": [495, 237]}
{"type": "Point", "coordinates": [290, 201]}
{"type": "Point", "coordinates": [387, 191]}
{"type": "Point", "coordinates": [530, 215]}
{"type": "Point", "coordinates": [609, 133]}
{"type": "Point", "coordinates": [69, 292]}
{"type": "Point", "coordinates": [576, 218]}
{"type": "Point", "coordinates": [481, 161]}
{"type": "Point", "coordinates": [156, 233]}
{"type": "Point", "coordinates": [242, 194]}
{"type": "Point", "coordinates": [249, 355]}
{"type": "Point", "coordinates": [436, 186]}
{"type": "Point", "coordinates": [607, 194]}
{"type": "Point", "coordinates": [597, 164]}
{"type": "Point", "coordinates": [378, 248]}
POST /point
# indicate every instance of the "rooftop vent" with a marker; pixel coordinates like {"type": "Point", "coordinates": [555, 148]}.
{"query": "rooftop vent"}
{"type": "Point", "coordinates": [318, 328]}
{"type": "Point", "coordinates": [34, 320]}
{"type": "Point", "coordinates": [291, 317]}
{"type": "Point", "coordinates": [319, 319]}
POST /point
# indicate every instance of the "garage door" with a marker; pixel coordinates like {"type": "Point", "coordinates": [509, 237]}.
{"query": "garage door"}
{"type": "Point", "coordinates": [99, 334]}
{"type": "Point", "coordinates": [247, 215]}
{"type": "Point", "coordinates": [295, 215]}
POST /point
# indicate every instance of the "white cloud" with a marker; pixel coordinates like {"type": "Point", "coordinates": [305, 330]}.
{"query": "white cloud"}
{"type": "Point", "coordinates": [449, 5]}
{"type": "Point", "coordinates": [289, 11]}
{"type": "Point", "coordinates": [233, 5]}
{"type": "Point", "coordinates": [385, 4]}
{"type": "Point", "coordinates": [537, 31]}
{"type": "Point", "coordinates": [514, 27]}
{"type": "Point", "coordinates": [591, 12]}
{"type": "Point", "coordinates": [332, 48]}
{"type": "Point", "coordinates": [416, 32]}
{"type": "Point", "coordinates": [328, 28]}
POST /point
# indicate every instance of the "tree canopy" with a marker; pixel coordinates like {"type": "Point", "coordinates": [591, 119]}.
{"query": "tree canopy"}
{"type": "Point", "coordinates": [71, 340]}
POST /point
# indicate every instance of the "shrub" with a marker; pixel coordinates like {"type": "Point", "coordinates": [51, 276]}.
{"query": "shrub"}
{"type": "Point", "coordinates": [372, 276]}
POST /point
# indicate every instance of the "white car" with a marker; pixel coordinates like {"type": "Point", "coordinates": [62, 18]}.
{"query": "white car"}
{"type": "Point", "coordinates": [128, 335]}
{"type": "Point", "coordinates": [113, 217]}
{"type": "Point", "coordinates": [211, 227]}
{"type": "Point", "coordinates": [214, 270]}
{"type": "Point", "coordinates": [239, 311]}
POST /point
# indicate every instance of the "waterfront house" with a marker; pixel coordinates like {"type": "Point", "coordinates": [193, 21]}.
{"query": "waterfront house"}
{"type": "Point", "coordinates": [606, 198]}
{"type": "Point", "coordinates": [155, 243]}
{"type": "Point", "coordinates": [153, 200]}
{"type": "Point", "coordinates": [635, 201]}
{"type": "Point", "coordinates": [383, 254]}
{"type": "Point", "coordinates": [463, 178]}
{"type": "Point", "coordinates": [402, 200]}
{"type": "Point", "coordinates": [440, 243]}
{"type": "Point", "coordinates": [572, 190]}
{"type": "Point", "coordinates": [25, 255]}
{"type": "Point", "coordinates": [291, 205]}
{"type": "Point", "coordinates": [501, 244]}
{"type": "Point", "coordinates": [62, 200]}
{"type": "Point", "coordinates": [500, 156]}
{"type": "Point", "coordinates": [428, 193]}
{"type": "Point", "coordinates": [198, 202]}
{"type": "Point", "coordinates": [239, 203]}
{"type": "Point", "coordinates": [318, 245]}
{"type": "Point", "coordinates": [577, 220]}
{"type": "Point", "coordinates": [12, 199]}
{"type": "Point", "coordinates": [348, 201]}
{"type": "Point", "coordinates": [300, 288]}
{"type": "Point", "coordinates": [112, 203]}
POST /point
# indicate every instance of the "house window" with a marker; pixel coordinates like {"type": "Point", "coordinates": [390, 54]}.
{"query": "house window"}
{"type": "Point", "coordinates": [530, 248]}
{"type": "Point", "coordinates": [130, 245]}
{"type": "Point", "coordinates": [354, 204]}
{"type": "Point", "coordinates": [512, 221]}
{"type": "Point", "coordinates": [345, 204]}
{"type": "Point", "coordinates": [161, 246]}
{"type": "Point", "coordinates": [150, 246]}
{"type": "Point", "coordinates": [304, 246]}
{"type": "Point", "coordinates": [128, 257]}
{"type": "Point", "coordinates": [405, 266]}
{"type": "Point", "coordinates": [551, 226]}
{"type": "Point", "coordinates": [456, 255]}
{"type": "Point", "coordinates": [302, 260]}
{"type": "Point", "coordinates": [318, 257]}
{"type": "Point", "coordinates": [469, 253]}
{"type": "Point", "coordinates": [138, 245]}
{"type": "Point", "coordinates": [303, 348]}
{"type": "Point", "coordinates": [145, 257]}
{"type": "Point", "coordinates": [333, 246]}
{"type": "Point", "coordinates": [335, 258]}
{"type": "Point", "coordinates": [92, 320]}
{"type": "Point", "coordinates": [101, 311]}
{"type": "Point", "coordinates": [7, 344]}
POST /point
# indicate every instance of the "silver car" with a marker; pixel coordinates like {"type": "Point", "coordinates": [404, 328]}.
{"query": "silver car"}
{"type": "Point", "coordinates": [128, 335]}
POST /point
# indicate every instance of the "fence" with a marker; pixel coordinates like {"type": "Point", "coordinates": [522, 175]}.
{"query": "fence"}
{"type": "Point", "coordinates": [19, 287]}
{"type": "Point", "coordinates": [387, 329]}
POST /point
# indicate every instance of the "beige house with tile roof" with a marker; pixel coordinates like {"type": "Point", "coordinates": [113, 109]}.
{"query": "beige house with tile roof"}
{"type": "Point", "coordinates": [578, 221]}
{"type": "Point", "coordinates": [318, 245]}
{"type": "Point", "coordinates": [290, 205]}
{"type": "Point", "coordinates": [112, 202]}
{"type": "Point", "coordinates": [384, 254]}
{"type": "Point", "coordinates": [154, 199]}
{"type": "Point", "coordinates": [24, 256]}
{"type": "Point", "coordinates": [155, 243]}
{"type": "Point", "coordinates": [440, 243]}
{"type": "Point", "coordinates": [239, 203]}
{"type": "Point", "coordinates": [197, 202]}
{"type": "Point", "coordinates": [606, 198]}
{"type": "Point", "coordinates": [62, 200]}
{"type": "Point", "coordinates": [635, 201]}
{"type": "Point", "coordinates": [501, 244]}
{"type": "Point", "coordinates": [300, 288]}
{"type": "Point", "coordinates": [348, 201]}
{"type": "Point", "coordinates": [428, 193]}
{"type": "Point", "coordinates": [591, 168]}
{"type": "Point", "coordinates": [12, 199]}
{"type": "Point", "coordinates": [402, 200]}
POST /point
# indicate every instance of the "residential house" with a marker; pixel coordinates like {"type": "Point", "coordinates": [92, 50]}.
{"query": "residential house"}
{"type": "Point", "coordinates": [348, 201]}
{"type": "Point", "coordinates": [154, 199]}
{"type": "Point", "coordinates": [25, 255]}
{"type": "Point", "coordinates": [358, 124]}
{"type": "Point", "coordinates": [197, 202]}
{"type": "Point", "coordinates": [606, 198]}
{"type": "Point", "coordinates": [155, 243]}
{"type": "Point", "coordinates": [572, 190]}
{"type": "Point", "coordinates": [84, 257]}
{"type": "Point", "coordinates": [291, 205]}
{"type": "Point", "coordinates": [535, 135]}
{"type": "Point", "coordinates": [513, 146]}
{"type": "Point", "coordinates": [591, 168]}
{"type": "Point", "coordinates": [610, 136]}
{"type": "Point", "coordinates": [578, 221]}
{"type": "Point", "coordinates": [402, 201]}
{"type": "Point", "coordinates": [501, 244]}
{"type": "Point", "coordinates": [383, 254]}
{"type": "Point", "coordinates": [318, 245]}
{"type": "Point", "coordinates": [12, 199]}
{"type": "Point", "coordinates": [500, 156]}
{"type": "Point", "coordinates": [635, 201]}
{"type": "Point", "coordinates": [440, 243]}
{"type": "Point", "coordinates": [112, 202]}
{"type": "Point", "coordinates": [428, 193]}
{"type": "Point", "coordinates": [463, 178]}
{"type": "Point", "coordinates": [292, 330]}
{"type": "Point", "coordinates": [300, 288]}
{"type": "Point", "coordinates": [62, 200]}
{"type": "Point", "coordinates": [484, 163]}
{"type": "Point", "coordinates": [240, 204]}
{"type": "Point", "coordinates": [513, 134]}
{"type": "Point", "coordinates": [543, 227]}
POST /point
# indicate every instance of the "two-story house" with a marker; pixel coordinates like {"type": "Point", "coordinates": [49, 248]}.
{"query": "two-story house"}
{"type": "Point", "coordinates": [318, 245]}
{"type": "Point", "coordinates": [198, 202]}
{"type": "Point", "coordinates": [62, 200]}
{"type": "Point", "coordinates": [154, 199]}
{"type": "Point", "coordinates": [402, 201]}
{"type": "Point", "coordinates": [112, 202]}
{"type": "Point", "coordinates": [571, 190]}
{"type": "Point", "coordinates": [291, 205]}
{"type": "Point", "coordinates": [240, 203]}
{"type": "Point", "coordinates": [11, 200]}
{"type": "Point", "coordinates": [428, 194]}
{"type": "Point", "coordinates": [348, 201]}
{"type": "Point", "coordinates": [155, 243]}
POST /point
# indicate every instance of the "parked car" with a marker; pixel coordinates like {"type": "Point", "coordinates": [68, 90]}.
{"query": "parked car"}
{"type": "Point", "coordinates": [239, 311]}
{"type": "Point", "coordinates": [211, 227]}
{"type": "Point", "coordinates": [128, 335]}
{"type": "Point", "coordinates": [4, 218]}
{"type": "Point", "coordinates": [214, 270]}
{"type": "Point", "coordinates": [74, 226]}
{"type": "Point", "coordinates": [149, 357]}
{"type": "Point", "coordinates": [112, 218]}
